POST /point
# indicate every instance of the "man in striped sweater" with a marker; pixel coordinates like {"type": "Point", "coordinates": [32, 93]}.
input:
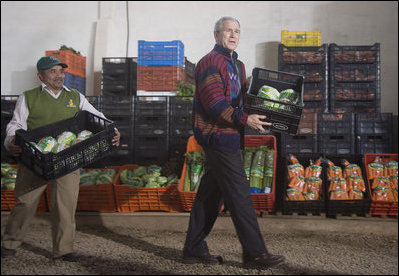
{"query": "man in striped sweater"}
{"type": "Point", "coordinates": [218, 124]}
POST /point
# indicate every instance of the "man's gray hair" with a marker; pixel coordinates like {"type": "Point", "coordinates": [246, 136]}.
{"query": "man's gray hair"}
{"type": "Point", "coordinates": [219, 23]}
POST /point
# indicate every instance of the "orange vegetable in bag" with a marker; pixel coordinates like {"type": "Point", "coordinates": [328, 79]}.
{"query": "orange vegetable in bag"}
{"type": "Point", "coordinates": [375, 169]}
{"type": "Point", "coordinates": [297, 182]}
{"type": "Point", "coordinates": [338, 195]}
{"type": "Point", "coordinates": [356, 182]}
{"type": "Point", "coordinates": [338, 183]}
{"type": "Point", "coordinates": [391, 168]}
{"type": "Point", "coordinates": [350, 168]}
{"type": "Point", "coordinates": [355, 194]}
{"type": "Point", "coordinates": [380, 181]}
{"type": "Point", "coordinates": [294, 194]}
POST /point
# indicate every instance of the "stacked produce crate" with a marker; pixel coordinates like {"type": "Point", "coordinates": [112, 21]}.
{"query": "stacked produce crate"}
{"type": "Point", "coordinates": [160, 65]}
{"type": "Point", "coordinates": [75, 74]}
{"type": "Point", "coordinates": [151, 130]}
{"type": "Point", "coordinates": [354, 78]}
{"type": "Point", "coordinates": [302, 53]}
{"type": "Point", "coordinates": [119, 76]}
{"type": "Point", "coordinates": [7, 110]}
{"type": "Point", "coordinates": [119, 109]}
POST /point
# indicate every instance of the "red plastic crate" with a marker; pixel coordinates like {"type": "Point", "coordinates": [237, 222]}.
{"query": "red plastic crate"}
{"type": "Point", "coordinates": [98, 198]}
{"type": "Point", "coordinates": [159, 78]}
{"type": "Point", "coordinates": [380, 207]}
{"type": "Point", "coordinates": [76, 64]}
{"type": "Point", "coordinates": [130, 199]}
{"type": "Point", "coordinates": [261, 202]}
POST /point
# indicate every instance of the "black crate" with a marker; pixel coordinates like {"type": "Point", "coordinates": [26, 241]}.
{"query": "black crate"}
{"type": "Point", "coordinates": [151, 156]}
{"type": "Point", "coordinates": [374, 133]}
{"type": "Point", "coordinates": [151, 106]}
{"type": "Point", "coordinates": [51, 165]}
{"type": "Point", "coordinates": [302, 55]}
{"type": "Point", "coordinates": [336, 133]}
{"type": "Point", "coordinates": [315, 207]}
{"type": "Point", "coordinates": [119, 76]}
{"type": "Point", "coordinates": [354, 54]}
{"type": "Point", "coordinates": [347, 207]}
{"type": "Point", "coordinates": [311, 72]}
{"type": "Point", "coordinates": [304, 144]}
{"type": "Point", "coordinates": [113, 106]}
{"type": "Point", "coordinates": [286, 117]}
{"type": "Point", "coordinates": [8, 105]}
{"type": "Point", "coordinates": [189, 68]}
{"type": "Point", "coordinates": [355, 107]}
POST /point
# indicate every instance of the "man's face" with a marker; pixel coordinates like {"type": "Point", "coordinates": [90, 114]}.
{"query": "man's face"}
{"type": "Point", "coordinates": [53, 77]}
{"type": "Point", "coordinates": [229, 36]}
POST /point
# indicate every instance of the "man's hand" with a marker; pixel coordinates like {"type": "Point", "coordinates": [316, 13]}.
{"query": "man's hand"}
{"type": "Point", "coordinates": [117, 137]}
{"type": "Point", "coordinates": [254, 122]}
{"type": "Point", "coordinates": [14, 149]}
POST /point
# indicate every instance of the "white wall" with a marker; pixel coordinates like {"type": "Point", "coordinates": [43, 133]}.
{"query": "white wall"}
{"type": "Point", "coordinates": [99, 29]}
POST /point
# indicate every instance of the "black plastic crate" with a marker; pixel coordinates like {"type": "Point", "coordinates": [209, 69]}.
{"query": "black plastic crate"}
{"type": "Point", "coordinates": [354, 54]}
{"type": "Point", "coordinates": [151, 106]}
{"type": "Point", "coordinates": [117, 106]}
{"type": "Point", "coordinates": [119, 66]}
{"type": "Point", "coordinates": [151, 156]}
{"type": "Point", "coordinates": [374, 132]}
{"type": "Point", "coordinates": [302, 207]}
{"type": "Point", "coordinates": [358, 207]}
{"type": "Point", "coordinates": [354, 73]}
{"type": "Point", "coordinates": [336, 133]}
{"type": "Point", "coordinates": [8, 105]}
{"type": "Point", "coordinates": [355, 107]}
{"type": "Point", "coordinates": [189, 67]}
{"type": "Point", "coordinates": [302, 55]}
{"type": "Point", "coordinates": [303, 144]}
{"type": "Point", "coordinates": [311, 72]}
{"type": "Point", "coordinates": [364, 92]}
{"type": "Point", "coordinates": [285, 117]}
{"type": "Point", "coordinates": [51, 165]}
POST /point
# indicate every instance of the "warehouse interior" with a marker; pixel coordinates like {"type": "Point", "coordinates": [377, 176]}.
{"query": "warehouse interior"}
{"type": "Point", "coordinates": [342, 55]}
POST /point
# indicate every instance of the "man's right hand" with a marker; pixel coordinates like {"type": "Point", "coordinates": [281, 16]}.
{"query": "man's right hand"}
{"type": "Point", "coordinates": [255, 122]}
{"type": "Point", "coordinates": [14, 149]}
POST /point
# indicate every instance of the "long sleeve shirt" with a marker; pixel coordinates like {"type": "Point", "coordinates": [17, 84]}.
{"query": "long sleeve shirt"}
{"type": "Point", "coordinates": [21, 112]}
{"type": "Point", "coordinates": [217, 120]}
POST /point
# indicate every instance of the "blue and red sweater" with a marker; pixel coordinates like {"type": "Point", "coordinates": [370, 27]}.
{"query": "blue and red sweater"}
{"type": "Point", "coordinates": [217, 121]}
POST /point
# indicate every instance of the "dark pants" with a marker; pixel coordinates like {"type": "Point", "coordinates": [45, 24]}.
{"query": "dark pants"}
{"type": "Point", "coordinates": [225, 181]}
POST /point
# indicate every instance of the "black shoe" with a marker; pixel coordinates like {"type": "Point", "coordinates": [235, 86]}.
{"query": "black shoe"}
{"type": "Point", "coordinates": [203, 258]}
{"type": "Point", "coordinates": [263, 261]}
{"type": "Point", "coordinates": [5, 252]}
{"type": "Point", "coordinates": [70, 257]}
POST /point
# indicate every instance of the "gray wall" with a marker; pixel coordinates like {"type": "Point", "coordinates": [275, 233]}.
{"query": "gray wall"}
{"type": "Point", "coordinates": [99, 29]}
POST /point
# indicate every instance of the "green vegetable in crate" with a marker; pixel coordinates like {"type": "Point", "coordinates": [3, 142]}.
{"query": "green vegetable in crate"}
{"type": "Point", "coordinates": [140, 171]}
{"type": "Point", "coordinates": [289, 96]}
{"type": "Point", "coordinates": [11, 173]}
{"type": "Point", "coordinates": [270, 93]}
{"type": "Point", "coordinates": [248, 156]}
{"type": "Point", "coordinates": [127, 178]}
{"type": "Point", "coordinates": [76, 141]}
{"type": "Point", "coordinates": [66, 138]}
{"type": "Point", "coordinates": [85, 134]}
{"type": "Point", "coordinates": [154, 170]}
{"type": "Point", "coordinates": [7, 184]}
{"type": "Point", "coordinates": [87, 179]}
{"type": "Point", "coordinates": [105, 177]}
{"type": "Point", "coordinates": [268, 171]}
{"type": "Point", "coordinates": [257, 171]}
{"type": "Point", "coordinates": [46, 144]}
{"type": "Point", "coordinates": [162, 181]}
{"type": "Point", "coordinates": [150, 181]}
{"type": "Point", "coordinates": [5, 167]}
{"type": "Point", "coordinates": [59, 147]}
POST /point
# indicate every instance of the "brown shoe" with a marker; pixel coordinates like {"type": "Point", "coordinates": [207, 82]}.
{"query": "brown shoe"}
{"type": "Point", "coordinates": [70, 257]}
{"type": "Point", "coordinates": [264, 260]}
{"type": "Point", "coordinates": [206, 258]}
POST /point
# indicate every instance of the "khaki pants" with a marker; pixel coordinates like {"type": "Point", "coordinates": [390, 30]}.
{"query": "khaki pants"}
{"type": "Point", "coordinates": [64, 197]}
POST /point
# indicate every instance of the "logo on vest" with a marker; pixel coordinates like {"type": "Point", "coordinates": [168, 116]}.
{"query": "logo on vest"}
{"type": "Point", "coordinates": [70, 103]}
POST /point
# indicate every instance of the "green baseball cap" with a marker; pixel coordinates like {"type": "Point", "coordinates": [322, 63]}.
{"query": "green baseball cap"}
{"type": "Point", "coordinates": [48, 62]}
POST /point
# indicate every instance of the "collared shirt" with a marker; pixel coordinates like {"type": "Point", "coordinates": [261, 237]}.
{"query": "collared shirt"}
{"type": "Point", "coordinates": [21, 112]}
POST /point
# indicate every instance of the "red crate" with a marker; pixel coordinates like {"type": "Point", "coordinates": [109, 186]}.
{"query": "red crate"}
{"type": "Point", "coordinates": [130, 199]}
{"type": "Point", "coordinates": [380, 207]}
{"type": "Point", "coordinates": [98, 198]}
{"type": "Point", "coordinates": [76, 64]}
{"type": "Point", "coordinates": [261, 202]}
{"type": "Point", "coordinates": [159, 78]}
{"type": "Point", "coordinates": [8, 200]}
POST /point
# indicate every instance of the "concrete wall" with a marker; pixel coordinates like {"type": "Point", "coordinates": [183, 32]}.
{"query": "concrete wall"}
{"type": "Point", "coordinates": [99, 29]}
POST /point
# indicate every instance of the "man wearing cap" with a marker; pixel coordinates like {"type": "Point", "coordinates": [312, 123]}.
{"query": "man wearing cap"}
{"type": "Point", "coordinates": [48, 103]}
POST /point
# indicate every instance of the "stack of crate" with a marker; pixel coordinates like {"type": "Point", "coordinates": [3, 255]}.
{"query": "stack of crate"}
{"type": "Point", "coordinates": [119, 76]}
{"type": "Point", "coordinates": [151, 130]}
{"type": "Point", "coordinates": [302, 53]}
{"type": "Point", "coordinates": [160, 65]}
{"type": "Point", "coordinates": [75, 74]}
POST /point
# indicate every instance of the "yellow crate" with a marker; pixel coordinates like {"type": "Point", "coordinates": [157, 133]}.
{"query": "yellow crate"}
{"type": "Point", "coordinates": [293, 38]}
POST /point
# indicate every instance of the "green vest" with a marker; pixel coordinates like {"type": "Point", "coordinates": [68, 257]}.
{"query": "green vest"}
{"type": "Point", "coordinates": [44, 109]}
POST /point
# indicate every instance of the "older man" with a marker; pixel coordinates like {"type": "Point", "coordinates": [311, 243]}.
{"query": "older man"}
{"type": "Point", "coordinates": [218, 123]}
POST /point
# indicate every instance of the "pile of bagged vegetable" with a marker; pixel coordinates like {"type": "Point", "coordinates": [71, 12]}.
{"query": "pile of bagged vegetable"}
{"type": "Point", "coordinates": [92, 177]}
{"type": "Point", "coordinates": [346, 183]}
{"type": "Point", "coordinates": [384, 178]}
{"type": "Point", "coordinates": [8, 176]}
{"type": "Point", "coordinates": [304, 184]}
{"type": "Point", "coordinates": [259, 167]}
{"type": "Point", "coordinates": [63, 141]}
{"type": "Point", "coordinates": [146, 177]}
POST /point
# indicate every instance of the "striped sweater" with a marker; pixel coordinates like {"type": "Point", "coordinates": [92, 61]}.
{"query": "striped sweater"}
{"type": "Point", "coordinates": [216, 123]}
